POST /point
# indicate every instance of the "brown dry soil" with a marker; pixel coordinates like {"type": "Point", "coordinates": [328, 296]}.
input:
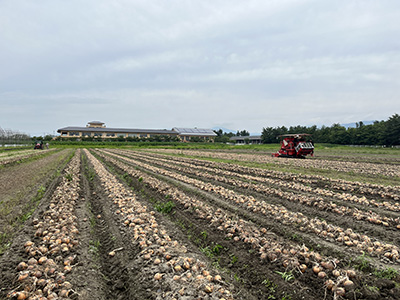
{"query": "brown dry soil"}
{"type": "Point", "coordinates": [21, 186]}
{"type": "Point", "coordinates": [96, 275]}
{"type": "Point", "coordinates": [252, 279]}
{"type": "Point", "coordinates": [99, 276]}
{"type": "Point", "coordinates": [252, 272]}
{"type": "Point", "coordinates": [389, 235]}
{"type": "Point", "coordinates": [26, 178]}
{"type": "Point", "coordinates": [101, 232]}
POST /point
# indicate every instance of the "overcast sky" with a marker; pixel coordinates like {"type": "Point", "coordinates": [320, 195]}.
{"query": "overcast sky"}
{"type": "Point", "coordinates": [165, 63]}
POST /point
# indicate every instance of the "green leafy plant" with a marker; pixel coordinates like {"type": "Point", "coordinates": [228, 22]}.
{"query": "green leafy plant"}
{"type": "Point", "coordinates": [388, 273]}
{"type": "Point", "coordinates": [212, 251]}
{"type": "Point", "coordinates": [234, 259]}
{"type": "Point", "coordinates": [40, 191]}
{"type": "Point", "coordinates": [271, 288]}
{"type": "Point", "coordinates": [90, 174]}
{"type": "Point", "coordinates": [287, 276]}
{"type": "Point", "coordinates": [217, 249]}
{"type": "Point", "coordinates": [180, 224]}
{"type": "Point", "coordinates": [372, 289]}
{"type": "Point", "coordinates": [94, 247]}
{"type": "Point", "coordinates": [207, 251]}
{"type": "Point", "coordinates": [295, 237]}
{"type": "Point", "coordinates": [165, 208]}
{"type": "Point", "coordinates": [69, 176]}
{"type": "Point", "coordinates": [269, 284]}
{"type": "Point", "coordinates": [363, 263]}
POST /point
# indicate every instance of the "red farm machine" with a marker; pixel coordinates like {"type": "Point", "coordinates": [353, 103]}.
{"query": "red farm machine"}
{"type": "Point", "coordinates": [295, 146]}
{"type": "Point", "coordinates": [38, 145]}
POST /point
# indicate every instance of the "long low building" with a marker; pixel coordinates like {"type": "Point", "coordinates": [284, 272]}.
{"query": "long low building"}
{"type": "Point", "coordinates": [96, 129]}
{"type": "Point", "coordinates": [252, 139]}
{"type": "Point", "coordinates": [188, 134]}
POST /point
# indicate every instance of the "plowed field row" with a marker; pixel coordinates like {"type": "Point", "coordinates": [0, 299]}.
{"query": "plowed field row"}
{"type": "Point", "coordinates": [6, 154]}
{"type": "Point", "coordinates": [49, 259]}
{"type": "Point", "coordinates": [290, 256]}
{"type": "Point", "coordinates": [269, 184]}
{"type": "Point", "coordinates": [281, 214]}
{"type": "Point", "coordinates": [303, 181]}
{"type": "Point", "coordinates": [350, 167]}
{"type": "Point", "coordinates": [171, 267]}
{"type": "Point", "coordinates": [10, 158]}
{"type": "Point", "coordinates": [121, 224]}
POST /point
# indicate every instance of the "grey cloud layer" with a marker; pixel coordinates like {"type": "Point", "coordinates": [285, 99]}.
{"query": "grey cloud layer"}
{"type": "Point", "coordinates": [198, 63]}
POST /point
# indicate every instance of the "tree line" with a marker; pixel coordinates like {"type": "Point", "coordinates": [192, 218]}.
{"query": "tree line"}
{"type": "Point", "coordinates": [9, 136]}
{"type": "Point", "coordinates": [224, 137]}
{"type": "Point", "coordinates": [379, 133]}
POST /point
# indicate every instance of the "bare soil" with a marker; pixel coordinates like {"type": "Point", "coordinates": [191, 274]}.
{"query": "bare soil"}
{"type": "Point", "coordinates": [305, 283]}
{"type": "Point", "coordinates": [252, 278]}
{"type": "Point", "coordinates": [97, 275]}
{"type": "Point", "coordinates": [21, 185]}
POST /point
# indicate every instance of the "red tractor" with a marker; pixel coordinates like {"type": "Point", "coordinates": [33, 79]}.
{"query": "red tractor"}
{"type": "Point", "coordinates": [295, 145]}
{"type": "Point", "coordinates": [38, 145]}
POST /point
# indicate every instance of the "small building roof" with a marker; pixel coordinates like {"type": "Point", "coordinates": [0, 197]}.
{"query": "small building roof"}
{"type": "Point", "coordinates": [96, 123]}
{"type": "Point", "coordinates": [194, 131]}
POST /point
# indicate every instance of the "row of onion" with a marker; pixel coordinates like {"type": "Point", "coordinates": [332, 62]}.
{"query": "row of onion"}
{"type": "Point", "coordinates": [42, 276]}
{"type": "Point", "coordinates": [270, 248]}
{"type": "Point", "coordinates": [390, 170]}
{"type": "Point", "coordinates": [340, 185]}
{"type": "Point", "coordinates": [175, 271]}
{"type": "Point", "coordinates": [293, 186]}
{"type": "Point", "coordinates": [280, 213]}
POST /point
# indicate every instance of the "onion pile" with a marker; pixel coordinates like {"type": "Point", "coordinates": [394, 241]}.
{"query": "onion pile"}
{"type": "Point", "coordinates": [42, 276]}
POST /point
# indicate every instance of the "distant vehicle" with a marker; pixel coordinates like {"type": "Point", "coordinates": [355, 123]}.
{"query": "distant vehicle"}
{"type": "Point", "coordinates": [295, 146]}
{"type": "Point", "coordinates": [39, 145]}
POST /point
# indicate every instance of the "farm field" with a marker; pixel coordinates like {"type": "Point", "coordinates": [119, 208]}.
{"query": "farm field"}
{"type": "Point", "coordinates": [200, 224]}
{"type": "Point", "coordinates": [8, 158]}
